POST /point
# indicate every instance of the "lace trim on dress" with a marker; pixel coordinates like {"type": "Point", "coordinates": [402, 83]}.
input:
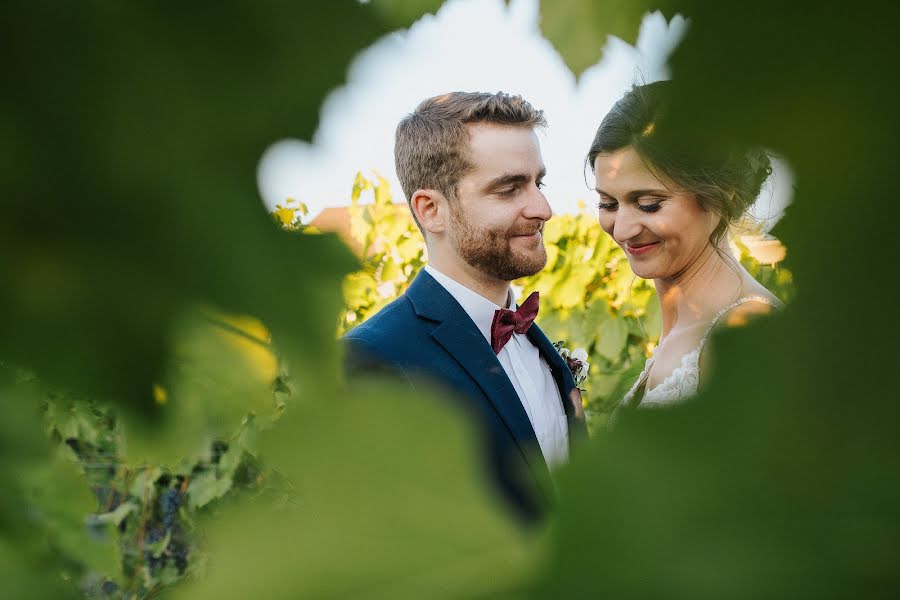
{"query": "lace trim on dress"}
{"type": "Point", "coordinates": [683, 382]}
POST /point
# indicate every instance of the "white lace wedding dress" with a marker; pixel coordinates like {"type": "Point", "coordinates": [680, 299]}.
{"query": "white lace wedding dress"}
{"type": "Point", "coordinates": [683, 382]}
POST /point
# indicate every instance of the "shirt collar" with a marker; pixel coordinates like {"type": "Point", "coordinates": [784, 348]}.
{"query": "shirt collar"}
{"type": "Point", "coordinates": [480, 309]}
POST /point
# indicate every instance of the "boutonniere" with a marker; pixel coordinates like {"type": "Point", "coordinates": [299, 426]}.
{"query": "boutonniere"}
{"type": "Point", "coordinates": [576, 361]}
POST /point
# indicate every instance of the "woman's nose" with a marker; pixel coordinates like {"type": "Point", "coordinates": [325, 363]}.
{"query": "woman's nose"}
{"type": "Point", "coordinates": [627, 224]}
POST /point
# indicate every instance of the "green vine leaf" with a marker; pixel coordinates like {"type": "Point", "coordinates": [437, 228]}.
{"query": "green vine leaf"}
{"type": "Point", "coordinates": [118, 515]}
{"type": "Point", "coordinates": [206, 487]}
{"type": "Point", "coordinates": [612, 337]}
{"type": "Point", "coordinates": [403, 13]}
{"type": "Point", "coordinates": [578, 29]}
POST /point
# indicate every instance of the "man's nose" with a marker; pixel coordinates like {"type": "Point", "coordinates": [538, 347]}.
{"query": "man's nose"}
{"type": "Point", "coordinates": [538, 207]}
{"type": "Point", "coordinates": [627, 224]}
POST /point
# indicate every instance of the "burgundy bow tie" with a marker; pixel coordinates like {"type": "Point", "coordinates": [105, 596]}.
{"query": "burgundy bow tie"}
{"type": "Point", "coordinates": [508, 321]}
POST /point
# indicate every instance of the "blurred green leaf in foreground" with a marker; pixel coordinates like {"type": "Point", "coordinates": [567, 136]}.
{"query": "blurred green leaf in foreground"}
{"type": "Point", "coordinates": [130, 135]}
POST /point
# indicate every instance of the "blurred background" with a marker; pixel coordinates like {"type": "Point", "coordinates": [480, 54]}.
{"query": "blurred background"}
{"type": "Point", "coordinates": [197, 200]}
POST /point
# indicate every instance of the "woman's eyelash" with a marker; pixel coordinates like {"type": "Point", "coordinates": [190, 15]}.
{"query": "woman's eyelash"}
{"type": "Point", "coordinates": [649, 208]}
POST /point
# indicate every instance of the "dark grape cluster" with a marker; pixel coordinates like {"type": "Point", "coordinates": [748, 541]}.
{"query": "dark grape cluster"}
{"type": "Point", "coordinates": [153, 535]}
{"type": "Point", "coordinates": [179, 553]}
{"type": "Point", "coordinates": [165, 523]}
{"type": "Point", "coordinates": [169, 502]}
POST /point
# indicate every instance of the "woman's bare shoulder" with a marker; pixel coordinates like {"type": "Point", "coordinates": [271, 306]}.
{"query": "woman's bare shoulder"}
{"type": "Point", "coordinates": [740, 315]}
{"type": "Point", "coordinates": [756, 302]}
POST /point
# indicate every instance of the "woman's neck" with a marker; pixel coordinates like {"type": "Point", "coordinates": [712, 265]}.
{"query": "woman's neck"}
{"type": "Point", "coordinates": [693, 295]}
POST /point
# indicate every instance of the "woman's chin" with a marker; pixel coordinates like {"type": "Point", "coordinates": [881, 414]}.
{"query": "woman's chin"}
{"type": "Point", "coordinates": [643, 271]}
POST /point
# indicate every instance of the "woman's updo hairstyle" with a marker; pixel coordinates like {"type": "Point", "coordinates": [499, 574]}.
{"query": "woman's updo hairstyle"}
{"type": "Point", "coordinates": [725, 180]}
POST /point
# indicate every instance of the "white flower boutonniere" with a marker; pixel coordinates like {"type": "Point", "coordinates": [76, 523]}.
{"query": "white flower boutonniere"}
{"type": "Point", "coordinates": [576, 360]}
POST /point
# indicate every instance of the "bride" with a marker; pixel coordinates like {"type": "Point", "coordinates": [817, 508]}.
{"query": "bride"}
{"type": "Point", "coordinates": [670, 208]}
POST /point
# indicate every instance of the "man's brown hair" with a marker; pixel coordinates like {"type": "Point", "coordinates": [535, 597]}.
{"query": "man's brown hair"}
{"type": "Point", "coordinates": [431, 150]}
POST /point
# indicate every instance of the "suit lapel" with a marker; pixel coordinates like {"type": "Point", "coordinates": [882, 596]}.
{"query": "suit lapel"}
{"type": "Point", "coordinates": [458, 335]}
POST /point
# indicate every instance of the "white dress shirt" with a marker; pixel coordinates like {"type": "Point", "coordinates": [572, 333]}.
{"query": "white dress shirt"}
{"type": "Point", "coordinates": [527, 371]}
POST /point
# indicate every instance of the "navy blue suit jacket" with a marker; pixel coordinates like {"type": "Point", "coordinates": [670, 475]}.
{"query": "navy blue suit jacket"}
{"type": "Point", "coordinates": [427, 333]}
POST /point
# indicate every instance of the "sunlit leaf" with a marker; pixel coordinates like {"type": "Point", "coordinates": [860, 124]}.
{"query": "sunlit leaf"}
{"type": "Point", "coordinates": [612, 335]}
{"type": "Point", "coordinates": [578, 29]}
{"type": "Point", "coordinates": [285, 215]}
{"type": "Point", "coordinates": [207, 487]}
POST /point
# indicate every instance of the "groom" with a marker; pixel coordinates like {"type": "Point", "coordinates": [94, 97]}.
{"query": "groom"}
{"type": "Point", "coordinates": [471, 169]}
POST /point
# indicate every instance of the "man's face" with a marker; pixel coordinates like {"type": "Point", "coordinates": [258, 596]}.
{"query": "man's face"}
{"type": "Point", "coordinates": [497, 217]}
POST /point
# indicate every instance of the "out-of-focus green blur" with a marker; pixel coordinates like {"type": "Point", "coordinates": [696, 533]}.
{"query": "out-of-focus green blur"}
{"type": "Point", "coordinates": [130, 135]}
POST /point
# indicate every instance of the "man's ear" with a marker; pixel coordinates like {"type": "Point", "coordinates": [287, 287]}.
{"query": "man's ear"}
{"type": "Point", "coordinates": [431, 210]}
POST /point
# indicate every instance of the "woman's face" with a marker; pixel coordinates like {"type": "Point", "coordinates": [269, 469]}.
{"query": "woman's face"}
{"type": "Point", "coordinates": [662, 229]}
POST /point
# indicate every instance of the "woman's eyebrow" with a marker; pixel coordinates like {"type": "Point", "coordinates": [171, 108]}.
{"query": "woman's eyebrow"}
{"type": "Point", "coordinates": [638, 193]}
{"type": "Point", "coordinates": [650, 192]}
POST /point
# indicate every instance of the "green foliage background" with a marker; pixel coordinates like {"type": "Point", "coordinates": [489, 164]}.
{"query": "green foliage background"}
{"type": "Point", "coordinates": [130, 135]}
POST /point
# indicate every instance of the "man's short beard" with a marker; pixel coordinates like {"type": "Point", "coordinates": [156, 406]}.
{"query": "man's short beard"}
{"type": "Point", "coordinates": [489, 250]}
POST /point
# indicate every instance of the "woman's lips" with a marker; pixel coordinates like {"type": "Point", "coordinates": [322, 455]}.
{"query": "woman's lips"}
{"type": "Point", "coordinates": [639, 249]}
